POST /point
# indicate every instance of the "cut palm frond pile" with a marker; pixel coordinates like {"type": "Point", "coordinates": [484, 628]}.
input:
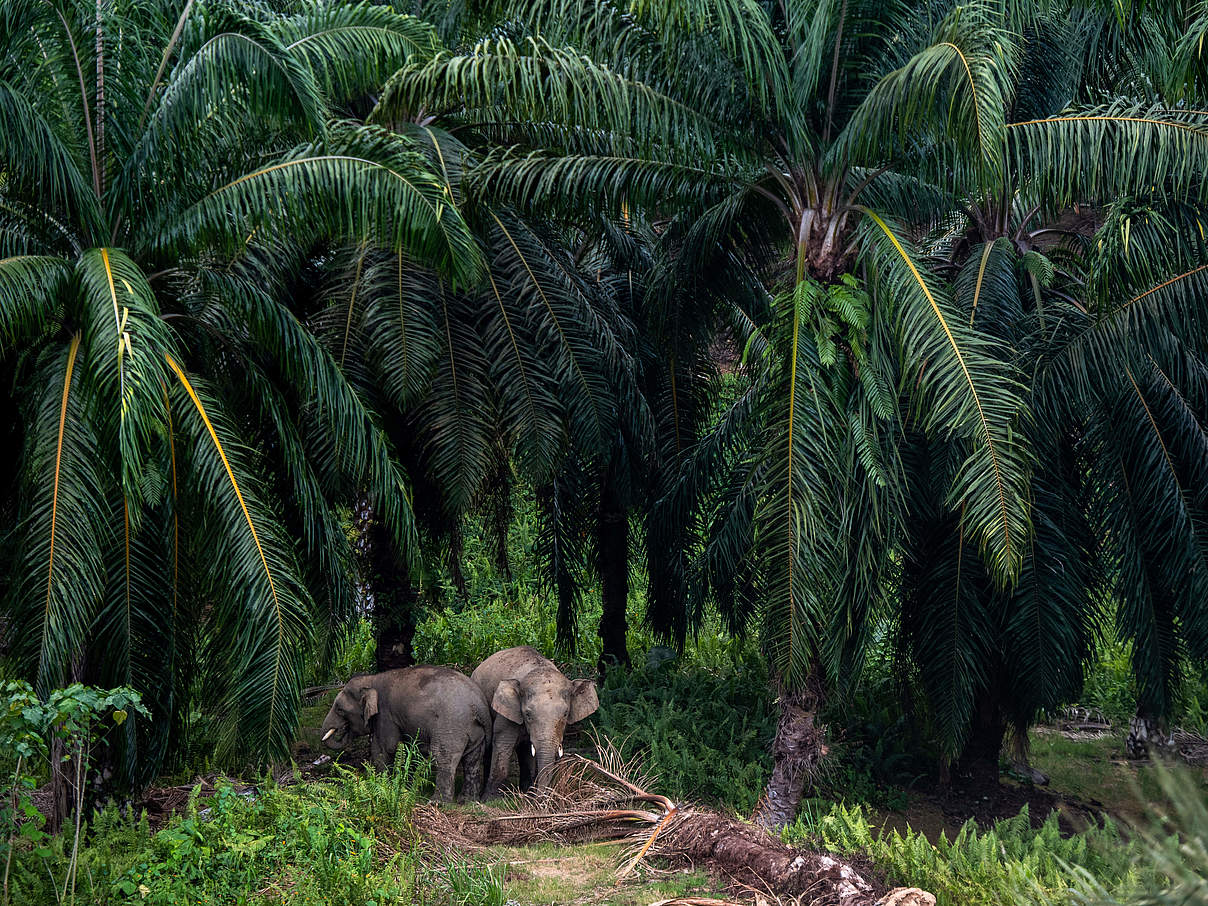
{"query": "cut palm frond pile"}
{"type": "Point", "coordinates": [608, 799]}
{"type": "Point", "coordinates": [1192, 747]}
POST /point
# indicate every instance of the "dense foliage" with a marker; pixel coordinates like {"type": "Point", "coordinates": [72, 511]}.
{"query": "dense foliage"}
{"type": "Point", "coordinates": [957, 247]}
{"type": "Point", "coordinates": [873, 331]}
{"type": "Point", "coordinates": [348, 843]}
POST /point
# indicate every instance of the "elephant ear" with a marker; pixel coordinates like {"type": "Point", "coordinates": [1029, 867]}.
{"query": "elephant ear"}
{"type": "Point", "coordinates": [507, 701]}
{"type": "Point", "coordinates": [369, 704]}
{"type": "Point", "coordinates": [586, 702]}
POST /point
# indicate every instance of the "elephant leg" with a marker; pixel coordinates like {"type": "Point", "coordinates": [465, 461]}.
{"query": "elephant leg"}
{"type": "Point", "coordinates": [376, 754]}
{"type": "Point", "coordinates": [502, 746]}
{"type": "Point", "coordinates": [471, 767]}
{"type": "Point", "coordinates": [383, 744]}
{"type": "Point", "coordinates": [445, 758]}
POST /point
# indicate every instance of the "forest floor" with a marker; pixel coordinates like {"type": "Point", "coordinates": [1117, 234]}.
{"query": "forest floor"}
{"type": "Point", "coordinates": [1089, 777]}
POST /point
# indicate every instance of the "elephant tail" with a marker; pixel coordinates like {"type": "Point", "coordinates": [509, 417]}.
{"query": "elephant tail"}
{"type": "Point", "coordinates": [482, 717]}
{"type": "Point", "coordinates": [478, 756]}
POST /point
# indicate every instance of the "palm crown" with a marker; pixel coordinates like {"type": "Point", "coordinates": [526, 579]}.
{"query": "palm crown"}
{"type": "Point", "coordinates": [158, 162]}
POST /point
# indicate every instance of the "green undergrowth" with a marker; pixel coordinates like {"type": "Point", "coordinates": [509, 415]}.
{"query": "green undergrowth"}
{"type": "Point", "coordinates": [703, 734]}
{"type": "Point", "coordinates": [1010, 863]}
{"type": "Point", "coordinates": [1110, 690]}
{"type": "Point", "coordinates": [348, 842]}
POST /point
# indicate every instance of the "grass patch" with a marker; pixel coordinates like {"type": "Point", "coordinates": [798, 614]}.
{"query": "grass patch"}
{"type": "Point", "coordinates": [1096, 772]}
{"type": "Point", "coordinates": [548, 874]}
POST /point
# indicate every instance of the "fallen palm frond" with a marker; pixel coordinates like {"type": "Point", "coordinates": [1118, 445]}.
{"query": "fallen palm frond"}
{"type": "Point", "coordinates": [1191, 746]}
{"type": "Point", "coordinates": [599, 799]}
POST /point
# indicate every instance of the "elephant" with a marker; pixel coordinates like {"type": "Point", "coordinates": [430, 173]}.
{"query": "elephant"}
{"type": "Point", "coordinates": [440, 708]}
{"type": "Point", "coordinates": [532, 703]}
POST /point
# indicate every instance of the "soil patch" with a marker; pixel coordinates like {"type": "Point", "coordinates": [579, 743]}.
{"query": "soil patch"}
{"type": "Point", "coordinates": [946, 812]}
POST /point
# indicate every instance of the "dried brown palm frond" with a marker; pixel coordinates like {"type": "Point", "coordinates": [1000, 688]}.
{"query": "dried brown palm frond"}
{"type": "Point", "coordinates": [599, 799]}
{"type": "Point", "coordinates": [586, 799]}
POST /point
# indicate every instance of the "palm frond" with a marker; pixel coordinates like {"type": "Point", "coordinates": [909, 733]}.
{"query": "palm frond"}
{"type": "Point", "coordinates": [29, 289]}
{"type": "Point", "coordinates": [354, 48]}
{"type": "Point", "coordinates": [67, 524]}
{"type": "Point", "coordinates": [1102, 153]}
{"type": "Point", "coordinates": [970, 392]}
{"type": "Point", "coordinates": [539, 82]}
{"type": "Point", "coordinates": [360, 184]}
{"type": "Point", "coordinates": [260, 620]}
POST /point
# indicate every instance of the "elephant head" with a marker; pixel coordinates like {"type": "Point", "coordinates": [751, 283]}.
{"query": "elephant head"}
{"type": "Point", "coordinates": [545, 702]}
{"type": "Point", "coordinates": [351, 712]}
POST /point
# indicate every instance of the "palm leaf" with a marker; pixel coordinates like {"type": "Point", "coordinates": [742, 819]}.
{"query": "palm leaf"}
{"type": "Point", "coordinates": [262, 610]}
{"type": "Point", "coordinates": [970, 393]}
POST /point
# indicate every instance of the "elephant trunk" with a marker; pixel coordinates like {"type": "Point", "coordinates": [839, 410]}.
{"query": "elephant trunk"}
{"type": "Point", "coordinates": [547, 748]}
{"type": "Point", "coordinates": [546, 755]}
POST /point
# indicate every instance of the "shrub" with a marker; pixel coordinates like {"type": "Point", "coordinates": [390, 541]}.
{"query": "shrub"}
{"type": "Point", "coordinates": [879, 745]}
{"type": "Point", "coordinates": [1109, 686]}
{"type": "Point", "coordinates": [1010, 863]}
{"type": "Point", "coordinates": [45, 738]}
{"type": "Point", "coordinates": [347, 843]}
{"type": "Point", "coordinates": [704, 735]}
{"type": "Point", "coordinates": [354, 653]}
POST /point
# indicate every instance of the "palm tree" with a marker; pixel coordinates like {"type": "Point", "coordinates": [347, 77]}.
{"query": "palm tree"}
{"type": "Point", "coordinates": [807, 149]}
{"type": "Point", "coordinates": [527, 378]}
{"type": "Point", "coordinates": [1050, 265]}
{"type": "Point", "coordinates": [181, 437]}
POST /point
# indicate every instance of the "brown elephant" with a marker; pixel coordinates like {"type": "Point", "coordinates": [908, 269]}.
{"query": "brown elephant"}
{"type": "Point", "coordinates": [533, 703]}
{"type": "Point", "coordinates": [441, 709]}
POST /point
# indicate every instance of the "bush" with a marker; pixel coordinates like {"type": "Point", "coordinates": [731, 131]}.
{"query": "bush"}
{"type": "Point", "coordinates": [354, 653]}
{"type": "Point", "coordinates": [879, 745]}
{"type": "Point", "coordinates": [704, 735]}
{"type": "Point", "coordinates": [467, 635]}
{"type": "Point", "coordinates": [1007, 864]}
{"type": "Point", "coordinates": [1109, 686]}
{"type": "Point", "coordinates": [346, 843]}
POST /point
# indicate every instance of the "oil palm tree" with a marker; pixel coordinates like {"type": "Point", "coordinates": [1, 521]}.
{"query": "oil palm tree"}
{"type": "Point", "coordinates": [808, 149]}
{"type": "Point", "coordinates": [715, 110]}
{"type": "Point", "coordinates": [528, 378]}
{"type": "Point", "coordinates": [181, 436]}
{"type": "Point", "coordinates": [1030, 258]}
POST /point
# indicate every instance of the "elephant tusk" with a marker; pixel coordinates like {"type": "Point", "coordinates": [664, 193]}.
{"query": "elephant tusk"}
{"type": "Point", "coordinates": [533, 749]}
{"type": "Point", "coordinates": [330, 733]}
{"type": "Point", "coordinates": [559, 751]}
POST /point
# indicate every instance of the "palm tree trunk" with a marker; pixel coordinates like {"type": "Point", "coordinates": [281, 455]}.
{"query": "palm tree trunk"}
{"type": "Point", "coordinates": [393, 594]}
{"type": "Point", "coordinates": [797, 752]}
{"type": "Point", "coordinates": [394, 621]}
{"type": "Point", "coordinates": [1143, 731]}
{"type": "Point", "coordinates": [612, 551]}
{"type": "Point", "coordinates": [979, 760]}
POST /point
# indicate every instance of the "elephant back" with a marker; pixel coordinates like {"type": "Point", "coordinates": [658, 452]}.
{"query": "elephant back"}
{"type": "Point", "coordinates": [510, 663]}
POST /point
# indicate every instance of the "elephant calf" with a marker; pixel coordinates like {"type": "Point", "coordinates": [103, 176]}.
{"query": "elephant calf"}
{"type": "Point", "coordinates": [533, 703]}
{"type": "Point", "coordinates": [443, 710]}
